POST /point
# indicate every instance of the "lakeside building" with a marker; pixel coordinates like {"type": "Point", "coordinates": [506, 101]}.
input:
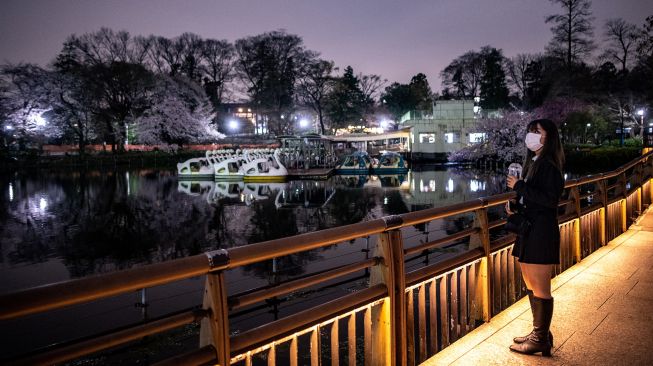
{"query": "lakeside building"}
{"type": "Point", "coordinates": [449, 127]}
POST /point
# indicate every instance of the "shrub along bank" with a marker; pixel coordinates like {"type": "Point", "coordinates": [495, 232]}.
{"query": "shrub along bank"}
{"type": "Point", "coordinates": [595, 160]}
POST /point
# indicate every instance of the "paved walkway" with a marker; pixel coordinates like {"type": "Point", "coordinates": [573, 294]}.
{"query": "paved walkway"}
{"type": "Point", "coordinates": [603, 312]}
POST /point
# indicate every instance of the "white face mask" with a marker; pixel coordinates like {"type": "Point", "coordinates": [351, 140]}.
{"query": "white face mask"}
{"type": "Point", "coordinates": [533, 141]}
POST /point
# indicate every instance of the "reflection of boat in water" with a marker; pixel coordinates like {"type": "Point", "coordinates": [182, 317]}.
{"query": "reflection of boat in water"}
{"type": "Point", "coordinates": [357, 163]}
{"type": "Point", "coordinates": [351, 181]}
{"type": "Point", "coordinates": [261, 191]}
{"type": "Point", "coordinates": [390, 163]}
{"type": "Point", "coordinates": [226, 190]}
{"type": "Point", "coordinates": [195, 188]}
{"type": "Point", "coordinates": [392, 180]}
{"type": "Point", "coordinates": [306, 194]}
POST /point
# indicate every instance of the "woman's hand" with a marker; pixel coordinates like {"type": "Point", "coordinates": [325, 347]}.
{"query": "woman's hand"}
{"type": "Point", "coordinates": [511, 180]}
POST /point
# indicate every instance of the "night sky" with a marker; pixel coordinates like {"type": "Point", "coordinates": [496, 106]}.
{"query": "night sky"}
{"type": "Point", "coordinates": [395, 39]}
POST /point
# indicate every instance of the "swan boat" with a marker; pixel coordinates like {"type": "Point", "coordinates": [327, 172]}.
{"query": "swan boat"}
{"type": "Point", "coordinates": [264, 168]}
{"type": "Point", "coordinates": [256, 165]}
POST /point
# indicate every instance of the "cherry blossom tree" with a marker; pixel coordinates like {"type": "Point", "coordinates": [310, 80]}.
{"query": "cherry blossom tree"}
{"type": "Point", "coordinates": [180, 113]}
{"type": "Point", "coordinates": [25, 96]}
{"type": "Point", "coordinates": [504, 138]}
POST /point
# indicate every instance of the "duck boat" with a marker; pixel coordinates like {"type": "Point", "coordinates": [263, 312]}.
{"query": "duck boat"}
{"type": "Point", "coordinates": [358, 163]}
{"type": "Point", "coordinates": [390, 163]}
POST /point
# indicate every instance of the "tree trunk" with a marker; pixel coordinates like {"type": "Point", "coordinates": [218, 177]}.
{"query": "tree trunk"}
{"type": "Point", "coordinates": [319, 116]}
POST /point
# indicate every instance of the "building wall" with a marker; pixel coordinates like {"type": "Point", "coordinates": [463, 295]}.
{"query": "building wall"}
{"type": "Point", "coordinates": [451, 127]}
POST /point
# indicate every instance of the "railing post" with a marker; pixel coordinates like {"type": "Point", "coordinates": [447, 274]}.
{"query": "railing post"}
{"type": "Point", "coordinates": [574, 194]}
{"type": "Point", "coordinates": [601, 188]}
{"type": "Point", "coordinates": [484, 275]}
{"type": "Point", "coordinates": [214, 329]}
{"type": "Point", "coordinates": [389, 345]}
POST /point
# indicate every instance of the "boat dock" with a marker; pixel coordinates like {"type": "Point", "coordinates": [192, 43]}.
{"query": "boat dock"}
{"type": "Point", "coordinates": [310, 174]}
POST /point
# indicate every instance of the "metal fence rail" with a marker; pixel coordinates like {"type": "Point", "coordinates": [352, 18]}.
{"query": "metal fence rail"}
{"type": "Point", "coordinates": [403, 317]}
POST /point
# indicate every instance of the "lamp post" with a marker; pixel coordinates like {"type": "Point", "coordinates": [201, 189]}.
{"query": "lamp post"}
{"type": "Point", "coordinates": [587, 128]}
{"type": "Point", "coordinates": [233, 126]}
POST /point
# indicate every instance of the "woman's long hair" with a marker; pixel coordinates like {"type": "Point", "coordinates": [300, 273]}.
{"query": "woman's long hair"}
{"type": "Point", "coordinates": [551, 151]}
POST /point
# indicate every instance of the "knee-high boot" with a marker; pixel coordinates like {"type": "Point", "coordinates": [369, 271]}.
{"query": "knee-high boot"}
{"type": "Point", "coordinates": [538, 341]}
{"type": "Point", "coordinates": [524, 338]}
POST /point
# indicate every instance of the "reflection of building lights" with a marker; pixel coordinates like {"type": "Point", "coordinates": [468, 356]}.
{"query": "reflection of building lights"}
{"type": "Point", "coordinates": [127, 178]}
{"type": "Point", "coordinates": [11, 192]}
{"type": "Point", "coordinates": [475, 185]}
{"type": "Point", "coordinates": [43, 203]}
{"type": "Point", "coordinates": [427, 188]}
{"type": "Point", "coordinates": [450, 185]}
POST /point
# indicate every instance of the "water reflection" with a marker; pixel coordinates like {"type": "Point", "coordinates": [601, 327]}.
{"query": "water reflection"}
{"type": "Point", "coordinates": [56, 226]}
{"type": "Point", "coordinates": [95, 222]}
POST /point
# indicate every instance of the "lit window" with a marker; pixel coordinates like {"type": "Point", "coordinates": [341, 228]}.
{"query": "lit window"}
{"type": "Point", "coordinates": [476, 137]}
{"type": "Point", "coordinates": [427, 138]}
{"type": "Point", "coordinates": [452, 137]}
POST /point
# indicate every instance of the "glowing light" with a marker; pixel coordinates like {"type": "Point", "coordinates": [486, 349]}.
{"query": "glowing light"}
{"type": "Point", "coordinates": [127, 179]}
{"type": "Point", "coordinates": [640, 112]}
{"type": "Point", "coordinates": [385, 200]}
{"type": "Point", "coordinates": [43, 203]}
{"type": "Point", "coordinates": [11, 192]}
{"type": "Point", "coordinates": [450, 185]}
{"type": "Point", "coordinates": [303, 123]}
{"type": "Point", "coordinates": [39, 120]}
{"type": "Point", "coordinates": [9, 127]}
{"type": "Point", "coordinates": [476, 137]}
{"type": "Point", "coordinates": [384, 124]}
{"type": "Point", "coordinates": [233, 124]}
{"type": "Point", "coordinates": [475, 185]}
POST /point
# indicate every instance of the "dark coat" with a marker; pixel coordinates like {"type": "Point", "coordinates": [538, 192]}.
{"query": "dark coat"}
{"type": "Point", "coordinates": [541, 194]}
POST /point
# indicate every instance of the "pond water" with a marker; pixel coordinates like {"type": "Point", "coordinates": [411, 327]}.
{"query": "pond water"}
{"type": "Point", "coordinates": [56, 226]}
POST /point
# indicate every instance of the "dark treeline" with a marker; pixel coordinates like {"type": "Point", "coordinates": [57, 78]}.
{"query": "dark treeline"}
{"type": "Point", "coordinates": [109, 86]}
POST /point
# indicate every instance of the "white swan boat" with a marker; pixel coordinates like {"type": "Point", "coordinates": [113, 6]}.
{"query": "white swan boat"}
{"type": "Point", "coordinates": [228, 166]}
{"type": "Point", "coordinates": [195, 168]}
{"type": "Point", "coordinates": [265, 168]}
{"type": "Point", "coordinates": [256, 165]}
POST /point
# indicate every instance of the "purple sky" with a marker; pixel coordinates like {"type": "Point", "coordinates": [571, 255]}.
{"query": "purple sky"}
{"type": "Point", "coordinates": [395, 39]}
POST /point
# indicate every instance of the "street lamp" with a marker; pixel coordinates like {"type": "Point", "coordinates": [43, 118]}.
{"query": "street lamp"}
{"type": "Point", "coordinates": [233, 124]}
{"type": "Point", "coordinates": [641, 114]}
{"type": "Point", "coordinates": [384, 124]}
{"type": "Point", "coordinates": [303, 123]}
{"type": "Point", "coordinates": [587, 128]}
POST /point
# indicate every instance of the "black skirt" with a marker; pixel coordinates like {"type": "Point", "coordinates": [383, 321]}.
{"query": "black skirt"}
{"type": "Point", "coordinates": [541, 245]}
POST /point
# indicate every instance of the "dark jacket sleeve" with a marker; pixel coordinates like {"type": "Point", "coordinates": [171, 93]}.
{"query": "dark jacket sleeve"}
{"type": "Point", "coordinates": [544, 188]}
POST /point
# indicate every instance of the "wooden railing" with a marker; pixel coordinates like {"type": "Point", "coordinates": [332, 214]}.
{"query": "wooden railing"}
{"type": "Point", "coordinates": [402, 317]}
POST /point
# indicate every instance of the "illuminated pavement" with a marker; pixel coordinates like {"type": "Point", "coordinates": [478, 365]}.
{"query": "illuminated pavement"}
{"type": "Point", "coordinates": [603, 312]}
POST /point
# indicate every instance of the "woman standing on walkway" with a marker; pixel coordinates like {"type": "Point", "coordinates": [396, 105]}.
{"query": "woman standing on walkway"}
{"type": "Point", "coordinates": [539, 249]}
